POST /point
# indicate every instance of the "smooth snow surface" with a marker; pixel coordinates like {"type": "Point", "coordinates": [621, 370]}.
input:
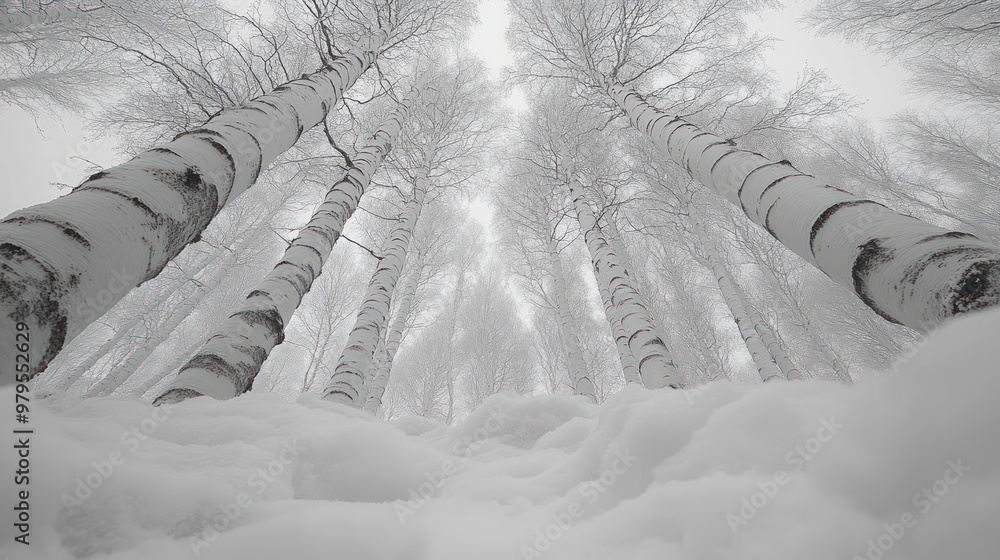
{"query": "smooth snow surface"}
{"type": "Point", "coordinates": [907, 462]}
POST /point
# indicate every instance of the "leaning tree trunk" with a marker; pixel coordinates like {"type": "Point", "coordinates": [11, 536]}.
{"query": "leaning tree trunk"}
{"type": "Point", "coordinates": [66, 262]}
{"type": "Point", "coordinates": [346, 384]}
{"type": "Point", "coordinates": [575, 363]}
{"type": "Point", "coordinates": [762, 360]}
{"type": "Point", "coordinates": [905, 270]}
{"type": "Point", "coordinates": [383, 366]}
{"type": "Point", "coordinates": [231, 358]}
{"type": "Point", "coordinates": [653, 357]}
{"type": "Point", "coordinates": [135, 360]}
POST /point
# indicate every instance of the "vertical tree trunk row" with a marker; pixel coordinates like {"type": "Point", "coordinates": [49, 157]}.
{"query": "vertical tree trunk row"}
{"type": "Point", "coordinates": [653, 357]}
{"type": "Point", "coordinates": [64, 263]}
{"type": "Point", "coordinates": [346, 384]}
{"type": "Point", "coordinates": [231, 358]}
{"type": "Point", "coordinates": [905, 270]}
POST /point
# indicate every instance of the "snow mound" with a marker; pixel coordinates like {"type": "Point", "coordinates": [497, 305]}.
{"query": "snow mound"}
{"type": "Point", "coordinates": [902, 466]}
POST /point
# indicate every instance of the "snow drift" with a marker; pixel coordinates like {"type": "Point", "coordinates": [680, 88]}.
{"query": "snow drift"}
{"type": "Point", "coordinates": [904, 465]}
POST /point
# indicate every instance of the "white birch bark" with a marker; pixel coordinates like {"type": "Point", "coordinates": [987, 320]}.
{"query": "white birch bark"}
{"type": "Point", "coordinates": [769, 338]}
{"type": "Point", "coordinates": [653, 357]}
{"type": "Point", "coordinates": [121, 372]}
{"type": "Point", "coordinates": [629, 367]}
{"type": "Point", "coordinates": [383, 367]}
{"type": "Point", "coordinates": [762, 359]}
{"type": "Point", "coordinates": [576, 364]}
{"type": "Point", "coordinates": [231, 358]}
{"type": "Point", "coordinates": [905, 270]}
{"type": "Point", "coordinates": [346, 384]}
{"type": "Point", "coordinates": [66, 262]}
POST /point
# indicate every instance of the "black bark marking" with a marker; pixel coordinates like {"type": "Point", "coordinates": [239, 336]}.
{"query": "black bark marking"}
{"type": "Point", "coordinates": [258, 293]}
{"type": "Point", "coordinates": [871, 257]}
{"type": "Point", "coordinates": [825, 217]}
{"type": "Point", "coordinates": [267, 318]}
{"type": "Point", "coordinates": [46, 308]}
{"type": "Point", "coordinates": [68, 229]}
{"type": "Point", "coordinates": [174, 396]}
{"type": "Point", "coordinates": [977, 288]}
{"type": "Point", "coordinates": [949, 235]}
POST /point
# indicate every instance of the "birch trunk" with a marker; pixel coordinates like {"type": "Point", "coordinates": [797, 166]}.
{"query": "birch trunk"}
{"type": "Point", "coordinates": [762, 360]}
{"type": "Point", "coordinates": [120, 373]}
{"type": "Point", "coordinates": [905, 270]}
{"type": "Point", "coordinates": [575, 363]}
{"type": "Point", "coordinates": [346, 384]}
{"type": "Point", "coordinates": [392, 342]}
{"type": "Point", "coordinates": [629, 367]}
{"type": "Point", "coordinates": [769, 337]}
{"type": "Point", "coordinates": [656, 367]}
{"type": "Point", "coordinates": [231, 358]}
{"type": "Point", "coordinates": [66, 262]}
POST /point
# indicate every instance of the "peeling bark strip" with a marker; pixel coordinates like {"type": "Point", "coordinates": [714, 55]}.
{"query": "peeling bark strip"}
{"type": "Point", "coordinates": [346, 383]}
{"type": "Point", "coordinates": [656, 367]}
{"type": "Point", "coordinates": [906, 270]}
{"type": "Point", "coordinates": [231, 357]}
{"type": "Point", "coordinates": [139, 215]}
{"type": "Point", "coordinates": [575, 363]}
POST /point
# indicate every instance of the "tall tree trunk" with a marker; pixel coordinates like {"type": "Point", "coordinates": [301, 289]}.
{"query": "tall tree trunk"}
{"type": "Point", "coordinates": [346, 384]}
{"type": "Point", "coordinates": [135, 360]}
{"type": "Point", "coordinates": [392, 341]}
{"type": "Point", "coordinates": [762, 359]}
{"type": "Point", "coordinates": [656, 367]}
{"type": "Point", "coordinates": [629, 367]}
{"type": "Point", "coordinates": [769, 337]}
{"type": "Point", "coordinates": [231, 358]}
{"type": "Point", "coordinates": [906, 270]}
{"type": "Point", "coordinates": [64, 263]}
{"type": "Point", "coordinates": [575, 363]}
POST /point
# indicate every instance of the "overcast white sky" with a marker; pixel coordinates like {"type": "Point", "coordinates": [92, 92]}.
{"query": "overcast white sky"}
{"type": "Point", "coordinates": [32, 158]}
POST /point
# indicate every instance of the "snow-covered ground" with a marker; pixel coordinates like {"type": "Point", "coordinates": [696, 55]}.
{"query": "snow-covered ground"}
{"type": "Point", "coordinates": [907, 462]}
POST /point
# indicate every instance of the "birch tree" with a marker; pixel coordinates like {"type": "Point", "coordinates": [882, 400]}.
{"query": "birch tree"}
{"type": "Point", "coordinates": [67, 261]}
{"type": "Point", "coordinates": [905, 270]}
{"type": "Point", "coordinates": [654, 361]}
{"type": "Point", "coordinates": [231, 358]}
